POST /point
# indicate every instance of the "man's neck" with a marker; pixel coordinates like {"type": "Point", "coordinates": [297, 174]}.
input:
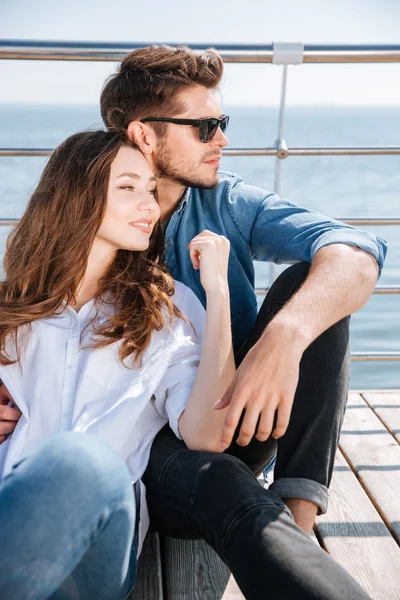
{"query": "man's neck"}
{"type": "Point", "coordinates": [170, 194]}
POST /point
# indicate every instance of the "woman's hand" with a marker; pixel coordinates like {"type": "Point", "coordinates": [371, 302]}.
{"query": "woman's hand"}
{"type": "Point", "coordinates": [209, 252]}
{"type": "Point", "coordinates": [9, 416]}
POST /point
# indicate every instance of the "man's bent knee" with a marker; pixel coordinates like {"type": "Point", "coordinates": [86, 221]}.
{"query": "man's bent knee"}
{"type": "Point", "coordinates": [226, 477]}
{"type": "Point", "coordinates": [290, 280]}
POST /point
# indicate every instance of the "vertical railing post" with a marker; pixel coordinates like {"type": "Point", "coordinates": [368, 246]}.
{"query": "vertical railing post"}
{"type": "Point", "coordinates": [280, 143]}
{"type": "Point", "coordinates": [281, 146]}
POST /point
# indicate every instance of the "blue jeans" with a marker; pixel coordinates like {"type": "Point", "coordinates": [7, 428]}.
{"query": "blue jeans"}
{"type": "Point", "coordinates": [67, 520]}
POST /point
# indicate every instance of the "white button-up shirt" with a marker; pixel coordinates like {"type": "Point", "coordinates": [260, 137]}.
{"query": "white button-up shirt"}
{"type": "Point", "coordinates": [62, 385]}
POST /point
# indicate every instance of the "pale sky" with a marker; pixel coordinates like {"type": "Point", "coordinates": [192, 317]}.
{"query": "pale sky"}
{"type": "Point", "coordinates": [208, 21]}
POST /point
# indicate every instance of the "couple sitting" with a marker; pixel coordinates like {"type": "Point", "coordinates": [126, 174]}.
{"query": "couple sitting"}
{"type": "Point", "coordinates": [130, 405]}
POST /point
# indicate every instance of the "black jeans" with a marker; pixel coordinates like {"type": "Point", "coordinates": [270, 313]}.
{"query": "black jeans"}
{"type": "Point", "coordinates": [306, 453]}
{"type": "Point", "coordinates": [216, 497]}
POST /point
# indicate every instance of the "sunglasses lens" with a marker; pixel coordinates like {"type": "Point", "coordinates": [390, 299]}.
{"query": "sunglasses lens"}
{"type": "Point", "coordinates": [209, 127]}
{"type": "Point", "coordinates": [224, 124]}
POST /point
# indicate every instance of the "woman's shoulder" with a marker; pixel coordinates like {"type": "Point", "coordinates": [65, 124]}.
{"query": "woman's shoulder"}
{"type": "Point", "coordinates": [180, 291]}
{"type": "Point", "coordinates": [190, 306]}
{"type": "Point", "coordinates": [184, 297]}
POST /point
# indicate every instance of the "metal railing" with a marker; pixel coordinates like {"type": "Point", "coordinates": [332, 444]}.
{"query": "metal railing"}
{"type": "Point", "coordinates": [379, 289]}
{"type": "Point", "coordinates": [271, 151]}
{"type": "Point", "coordinates": [231, 53]}
{"type": "Point", "coordinates": [281, 54]}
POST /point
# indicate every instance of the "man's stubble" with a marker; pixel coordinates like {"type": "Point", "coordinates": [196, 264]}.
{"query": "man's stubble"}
{"type": "Point", "coordinates": [181, 171]}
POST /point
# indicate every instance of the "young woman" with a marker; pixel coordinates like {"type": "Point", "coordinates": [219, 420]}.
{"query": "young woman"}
{"type": "Point", "coordinates": [97, 338]}
{"type": "Point", "coordinates": [100, 348]}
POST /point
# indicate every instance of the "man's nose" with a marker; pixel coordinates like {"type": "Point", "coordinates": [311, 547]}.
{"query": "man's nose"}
{"type": "Point", "coordinates": [219, 139]}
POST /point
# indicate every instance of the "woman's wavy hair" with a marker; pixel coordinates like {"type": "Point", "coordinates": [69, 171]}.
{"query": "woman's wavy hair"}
{"type": "Point", "coordinates": [47, 253]}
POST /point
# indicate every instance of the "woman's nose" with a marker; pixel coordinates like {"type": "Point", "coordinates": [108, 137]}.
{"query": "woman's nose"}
{"type": "Point", "coordinates": [149, 205]}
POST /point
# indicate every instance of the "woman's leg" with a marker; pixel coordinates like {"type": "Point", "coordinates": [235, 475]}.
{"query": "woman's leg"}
{"type": "Point", "coordinates": [307, 450]}
{"type": "Point", "coordinates": [216, 497]}
{"type": "Point", "coordinates": [67, 516]}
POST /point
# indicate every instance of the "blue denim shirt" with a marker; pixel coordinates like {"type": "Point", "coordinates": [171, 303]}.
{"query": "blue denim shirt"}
{"type": "Point", "coordinates": [260, 226]}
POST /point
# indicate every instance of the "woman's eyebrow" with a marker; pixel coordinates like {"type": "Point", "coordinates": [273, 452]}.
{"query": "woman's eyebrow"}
{"type": "Point", "coordinates": [134, 176]}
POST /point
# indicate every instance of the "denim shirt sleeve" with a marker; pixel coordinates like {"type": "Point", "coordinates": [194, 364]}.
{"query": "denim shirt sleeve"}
{"type": "Point", "coordinates": [283, 232]}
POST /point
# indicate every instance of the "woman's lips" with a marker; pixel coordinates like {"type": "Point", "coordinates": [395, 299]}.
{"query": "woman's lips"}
{"type": "Point", "coordinates": [142, 226]}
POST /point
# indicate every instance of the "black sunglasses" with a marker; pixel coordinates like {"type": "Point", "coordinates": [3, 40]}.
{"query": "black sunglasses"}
{"type": "Point", "coordinates": [207, 127]}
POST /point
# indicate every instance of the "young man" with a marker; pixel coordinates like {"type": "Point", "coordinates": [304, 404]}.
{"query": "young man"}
{"type": "Point", "coordinates": [293, 357]}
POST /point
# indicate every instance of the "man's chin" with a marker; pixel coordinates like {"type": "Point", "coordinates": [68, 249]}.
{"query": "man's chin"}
{"type": "Point", "coordinates": [207, 185]}
{"type": "Point", "coordinates": [203, 183]}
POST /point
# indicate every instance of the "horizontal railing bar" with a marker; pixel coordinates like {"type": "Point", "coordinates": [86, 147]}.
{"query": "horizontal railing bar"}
{"type": "Point", "coordinates": [349, 220]}
{"type": "Point", "coordinates": [380, 356]}
{"type": "Point", "coordinates": [333, 151]}
{"type": "Point", "coordinates": [379, 289]}
{"type": "Point", "coordinates": [26, 151]}
{"type": "Point", "coordinates": [233, 53]}
{"type": "Point", "coordinates": [387, 289]}
{"type": "Point", "coordinates": [369, 220]}
{"type": "Point", "coordinates": [327, 151]}
{"type": "Point", "coordinates": [8, 222]}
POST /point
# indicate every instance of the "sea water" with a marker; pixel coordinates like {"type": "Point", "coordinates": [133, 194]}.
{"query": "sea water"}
{"type": "Point", "coordinates": [338, 186]}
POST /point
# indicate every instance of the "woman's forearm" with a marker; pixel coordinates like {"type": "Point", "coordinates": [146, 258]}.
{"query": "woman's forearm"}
{"type": "Point", "coordinates": [200, 425]}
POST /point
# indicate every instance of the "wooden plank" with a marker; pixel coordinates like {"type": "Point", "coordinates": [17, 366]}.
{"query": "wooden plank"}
{"type": "Point", "coordinates": [387, 407]}
{"type": "Point", "coordinates": [149, 584]}
{"type": "Point", "coordinates": [355, 535]}
{"type": "Point", "coordinates": [193, 571]}
{"type": "Point", "coordinates": [374, 455]}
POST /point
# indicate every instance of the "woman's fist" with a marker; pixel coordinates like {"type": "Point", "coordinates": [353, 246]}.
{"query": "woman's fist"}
{"type": "Point", "coordinates": [209, 252]}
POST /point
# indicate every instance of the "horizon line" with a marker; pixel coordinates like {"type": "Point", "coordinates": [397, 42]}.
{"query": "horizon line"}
{"type": "Point", "coordinates": [233, 104]}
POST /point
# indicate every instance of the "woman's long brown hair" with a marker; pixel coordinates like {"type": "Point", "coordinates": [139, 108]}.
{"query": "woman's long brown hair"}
{"type": "Point", "coordinates": [47, 253]}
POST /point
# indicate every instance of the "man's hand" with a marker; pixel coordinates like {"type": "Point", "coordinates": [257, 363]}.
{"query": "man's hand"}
{"type": "Point", "coordinates": [340, 281]}
{"type": "Point", "coordinates": [9, 417]}
{"type": "Point", "coordinates": [265, 382]}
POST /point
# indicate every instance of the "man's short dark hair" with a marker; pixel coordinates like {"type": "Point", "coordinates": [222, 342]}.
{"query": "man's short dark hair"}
{"type": "Point", "coordinates": [148, 82]}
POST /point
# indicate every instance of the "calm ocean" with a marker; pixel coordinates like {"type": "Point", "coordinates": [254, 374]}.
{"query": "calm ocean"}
{"type": "Point", "coordinates": [337, 186]}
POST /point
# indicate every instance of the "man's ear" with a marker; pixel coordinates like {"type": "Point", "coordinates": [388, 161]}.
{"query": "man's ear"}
{"type": "Point", "coordinates": [142, 136]}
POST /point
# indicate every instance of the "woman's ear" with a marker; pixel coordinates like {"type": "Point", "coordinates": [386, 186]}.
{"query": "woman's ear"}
{"type": "Point", "coordinates": [142, 136]}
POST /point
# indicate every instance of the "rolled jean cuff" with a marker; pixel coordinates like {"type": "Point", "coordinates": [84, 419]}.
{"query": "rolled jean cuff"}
{"type": "Point", "coordinates": [307, 489]}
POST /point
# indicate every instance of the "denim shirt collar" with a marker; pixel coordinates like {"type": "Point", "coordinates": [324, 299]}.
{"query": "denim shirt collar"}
{"type": "Point", "coordinates": [183, 201]}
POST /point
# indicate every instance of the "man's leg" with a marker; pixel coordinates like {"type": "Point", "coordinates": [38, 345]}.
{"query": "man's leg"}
{"type": "Point", "coordinates": [306, 452]}
{"type": "Point", "coordinates": [67, 516]}
{"type": "Point", "coordinates": [216, 497]}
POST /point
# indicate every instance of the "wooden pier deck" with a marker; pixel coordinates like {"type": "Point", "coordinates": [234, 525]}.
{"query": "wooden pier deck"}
{"type": "Point", "coordinates": [361, 529]}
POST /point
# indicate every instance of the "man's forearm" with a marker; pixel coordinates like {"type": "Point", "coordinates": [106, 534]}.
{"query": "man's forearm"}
{"type": "Point", "coordinates": [340, 281]}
